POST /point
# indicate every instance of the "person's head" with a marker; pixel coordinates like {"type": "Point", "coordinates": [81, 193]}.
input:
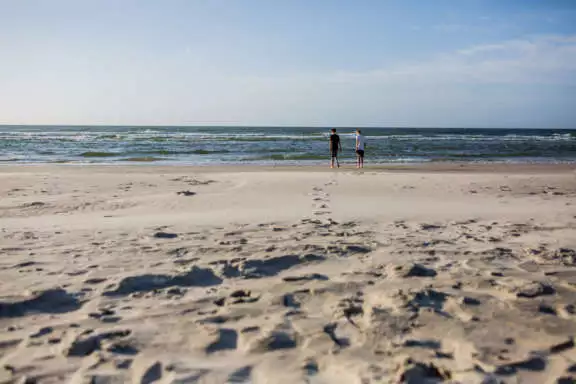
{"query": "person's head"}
{"type": "Point", "coordinates": [358, 131]}
{"type": "Point", "coordinates": [333, 130]}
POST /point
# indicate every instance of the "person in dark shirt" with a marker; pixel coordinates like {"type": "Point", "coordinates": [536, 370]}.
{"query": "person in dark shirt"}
{"type": "Point", "coordinates": [335, 146]}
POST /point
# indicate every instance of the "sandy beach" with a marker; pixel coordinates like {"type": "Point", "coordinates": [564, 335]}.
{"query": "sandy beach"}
{"type": "Point", "coordinates": [395, 274]}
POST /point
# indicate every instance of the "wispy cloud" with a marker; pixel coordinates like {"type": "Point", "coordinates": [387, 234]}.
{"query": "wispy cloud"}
{"type": "Point", "coordinates": [537, 60]}
{"type": "Point", "coordinates": [483, 25]}
{"type": "Point", "coordinates": [450, 27]}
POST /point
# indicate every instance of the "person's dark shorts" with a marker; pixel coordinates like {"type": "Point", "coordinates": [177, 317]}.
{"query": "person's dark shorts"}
{"type": "Point", "coordinates": [360, 152]}
{"type": "Point", "coordinates": [334, 153]}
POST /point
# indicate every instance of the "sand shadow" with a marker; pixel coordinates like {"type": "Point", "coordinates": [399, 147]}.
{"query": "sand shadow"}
{"type": "Point", "coordinates": [195, 277]}
{"type": "Point", "coordinates": [241, 375]}
{"type": "Point", "coordinates": [254, 269]}
{"type": "Point", "coordinates": [51, 301]}
{"type": "Point", "coordinates": [227, 339]}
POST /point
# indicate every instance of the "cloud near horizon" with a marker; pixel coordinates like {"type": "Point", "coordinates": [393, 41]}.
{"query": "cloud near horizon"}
{"type": "Point", "coordinates": [539, 60]}
{"type": "Point", "coordinates": [414, 94]}
{"type": "Point", "coordinates": [336, 97]}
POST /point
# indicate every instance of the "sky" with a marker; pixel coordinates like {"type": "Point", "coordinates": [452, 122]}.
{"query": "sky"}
{"type": "Point", "coordinates": [388, 63]}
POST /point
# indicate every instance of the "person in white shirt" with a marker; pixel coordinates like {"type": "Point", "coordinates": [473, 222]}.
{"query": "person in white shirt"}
{"type": "Point", "coordinates": [360, 146]}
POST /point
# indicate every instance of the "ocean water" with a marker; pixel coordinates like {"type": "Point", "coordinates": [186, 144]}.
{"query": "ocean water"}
{"type": "Point", "coordinates": [275, 145]}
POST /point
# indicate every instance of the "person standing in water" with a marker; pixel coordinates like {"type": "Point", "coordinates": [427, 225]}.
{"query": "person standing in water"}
{"type": "Point", "coordinates": [335, 146]}
{"type": "Point", "coordinates": [360, 146]}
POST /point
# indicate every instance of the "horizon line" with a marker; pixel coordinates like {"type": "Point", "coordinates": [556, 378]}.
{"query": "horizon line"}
{"type": "Point", "coordinates": [267, 126]}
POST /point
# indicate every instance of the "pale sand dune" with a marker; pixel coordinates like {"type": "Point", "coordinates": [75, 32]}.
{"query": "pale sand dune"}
{"type": "Point", "coordinates": [460, 274]}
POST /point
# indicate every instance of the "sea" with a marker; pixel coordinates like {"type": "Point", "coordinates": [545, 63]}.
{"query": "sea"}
{"type": "Point", "coordinates": [277, 145]}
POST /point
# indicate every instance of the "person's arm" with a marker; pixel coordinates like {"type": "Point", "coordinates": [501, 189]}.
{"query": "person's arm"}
{"type": "Point", "coordinates": [356, 142]}
{"type": "Point", "coordinates": [330, 143]}
{"type": "Point", "coordinates": [340, 144]}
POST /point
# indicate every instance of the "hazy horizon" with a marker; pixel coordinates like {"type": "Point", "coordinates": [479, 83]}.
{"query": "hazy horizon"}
{"type": "Point", "coordinates": [264, 126]}
{"type": "Point", "coordinates": [398, 64]}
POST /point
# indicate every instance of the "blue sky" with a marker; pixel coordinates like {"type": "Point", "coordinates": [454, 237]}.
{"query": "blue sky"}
{"type": "Point", "coordinates": [441, 63]}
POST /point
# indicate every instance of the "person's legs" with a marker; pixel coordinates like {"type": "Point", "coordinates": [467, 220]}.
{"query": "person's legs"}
{"type": "Point", "coordinates": [334, 159]}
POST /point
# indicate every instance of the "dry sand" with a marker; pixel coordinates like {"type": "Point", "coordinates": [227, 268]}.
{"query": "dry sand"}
{"type": "Point", "coordinates": [457, 274]}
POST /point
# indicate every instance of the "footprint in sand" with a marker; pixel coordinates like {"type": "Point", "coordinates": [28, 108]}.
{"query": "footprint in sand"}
{"type": "Point", "coordinates": [95, 280]}
{"type": "Point", "coordinates": [330, 330]}
{"type": "Point", "coordinates": [241, 375]}
{"type": "Point", "coordinates": [48, 301]}
{"type": "Point", "coordinates": [227, 340]}
{"type": "Point", "coordinates": [24, 264]}
{"type": "Point", "coordinates": [277, 339]}
{"type": "Point", "coordinates": [146, 371]}
{"type": "Point", "coordinates": [311, 368]}
{"type": "Point", "coordinates": [123, 347]}
{"type": "Point", "coordinates": [186, 193]}
{"type": "Point", "coordinates": [84, 345]}
{"type": "Point", "coordinates": [290, 301]}
{"type": "Point", "coordinates": [194, 277]}
{"type": "Point", "coordinates": [307, 277]}
{"type": "Point", "coordinates": [41, 332]}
